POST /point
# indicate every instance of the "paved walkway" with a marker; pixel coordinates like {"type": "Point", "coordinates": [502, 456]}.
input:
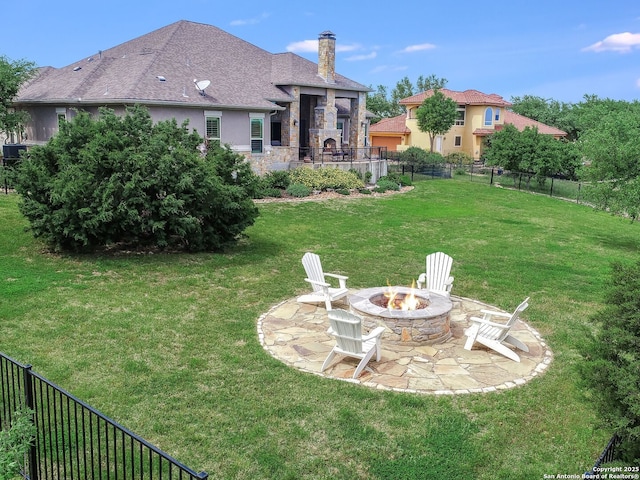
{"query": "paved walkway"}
{"type": "Point", "coordinates": [295, 333]}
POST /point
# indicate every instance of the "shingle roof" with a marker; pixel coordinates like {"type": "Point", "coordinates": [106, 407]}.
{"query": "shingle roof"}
{"type": "Point", "coordinates": [241, 74]}
{"type": "Point", "coordinates": [520, 122]}
{"type": "Point", "coordinates": [468, 97]}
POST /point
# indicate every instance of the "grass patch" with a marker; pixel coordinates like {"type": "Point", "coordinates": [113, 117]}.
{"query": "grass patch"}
{"type": "Point", "coordinates": [167, 344]}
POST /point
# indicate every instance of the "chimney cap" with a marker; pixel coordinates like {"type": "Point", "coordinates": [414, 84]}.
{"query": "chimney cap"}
{"type": "Point", "coordinates": [328, 34]}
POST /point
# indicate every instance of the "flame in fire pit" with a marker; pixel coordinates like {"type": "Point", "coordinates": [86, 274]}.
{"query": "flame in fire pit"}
{"type": "Point", "coordinates": [406, 301]}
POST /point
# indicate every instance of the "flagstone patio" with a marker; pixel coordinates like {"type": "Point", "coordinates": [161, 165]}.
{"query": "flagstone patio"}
{"type": "Point", "coordinates": [296, 334]}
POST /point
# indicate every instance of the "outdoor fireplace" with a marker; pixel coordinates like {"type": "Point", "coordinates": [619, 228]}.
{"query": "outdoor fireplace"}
{"type": "Point", "coordinates": [425, 324]}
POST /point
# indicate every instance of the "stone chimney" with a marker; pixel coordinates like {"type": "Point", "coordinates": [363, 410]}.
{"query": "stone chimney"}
{"type": "Point", "coordinates": [327, 56]}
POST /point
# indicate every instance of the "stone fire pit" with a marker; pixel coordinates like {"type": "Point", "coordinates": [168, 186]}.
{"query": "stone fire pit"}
{"type": "Point", "coordinates": [425, 325]}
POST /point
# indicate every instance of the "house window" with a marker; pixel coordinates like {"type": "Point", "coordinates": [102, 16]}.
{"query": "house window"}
{"type": "Point", "coordinates": [213, 122]}
{"type": "Point", "coordinates": [488, 117]}
{"type": "Point", "coordinates": [497, 114]}
{"type": "Point", "coordinates": [341, 128]}
{"type": "Point", "coordinates": [460, 115]}
{"type": "Point", "coordinates": [457, 141]}
{"type": "Point", "coordinates": [61, 115]}
{"type": "Point", "coordinates": [257, 132]}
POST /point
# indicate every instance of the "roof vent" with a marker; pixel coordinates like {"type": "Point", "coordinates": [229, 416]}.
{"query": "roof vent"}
{"type": "Point", "coordinates": [161, 78]}
{"type": "Point", "coordinates": [75, 69]}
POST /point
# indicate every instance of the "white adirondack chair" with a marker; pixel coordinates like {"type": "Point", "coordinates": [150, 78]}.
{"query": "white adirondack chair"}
{"type": "Point", "coordinates": [495, 335]}
{"type": "Point", "coordinates": [322, 291]}
{"type": "Point", "coordinates": [346, 327]}
{"type": "Point", "coordinates": [437, 277]}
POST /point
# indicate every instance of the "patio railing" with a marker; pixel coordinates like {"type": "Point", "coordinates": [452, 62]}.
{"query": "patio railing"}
{"type": "Point", "coordinates": [74, 440]}
{"type": "Point", "coordinates": [344, 154]}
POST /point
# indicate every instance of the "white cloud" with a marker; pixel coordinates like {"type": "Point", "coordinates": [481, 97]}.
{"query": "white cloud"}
{"type": "Point", "coordinates": [249, 21]}
{"type": "Point", "coordinates": [418, 48]}
{"type": "Point", "coordinates": [618, 42]}
{"type": "Point", "coordinates": [347, 48]}
{"type": "Point", "coordinates": [357, 58]}
{"type": "Point", "coordinates": [388, 68]}
{"type": "Point", "coordinates": [303, 46]}
{"type": "Point", "coordinates": [306, 46]}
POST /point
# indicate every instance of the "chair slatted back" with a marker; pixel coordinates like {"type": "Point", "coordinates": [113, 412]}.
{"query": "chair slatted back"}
{"type": "Point", "coordinates": [502, 333]}
{"type": "Point", "coordinates": [438, 270]}
{"type": "Point", "coordinates": [347, 329]}
{"type": "Point", "coordinates": [313, 269]}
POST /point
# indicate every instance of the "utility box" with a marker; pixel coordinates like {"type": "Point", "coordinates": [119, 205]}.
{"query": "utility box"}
{"type": "Point", "coordinates": [10, 156]}
{"type": "Point", "coordinates": [12, 151]}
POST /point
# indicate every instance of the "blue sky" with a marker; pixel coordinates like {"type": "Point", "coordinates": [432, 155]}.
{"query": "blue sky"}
{"type": "Point", "coordinates": [552, 49]}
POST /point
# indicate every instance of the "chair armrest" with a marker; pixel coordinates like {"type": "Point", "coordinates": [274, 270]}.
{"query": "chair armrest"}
{"type": "Point", "coordinates": [321, 284]}
{"type": "Point", "coordinates": [493, 313]}
{"type": "Point", "coordinates": [483, 321]}
{"type": "Point", "coordinates": [376, 332]}
{"type": "Point", "coordinates": [335, 275]}
{"type": "Point", "coordinates": [342, 280]}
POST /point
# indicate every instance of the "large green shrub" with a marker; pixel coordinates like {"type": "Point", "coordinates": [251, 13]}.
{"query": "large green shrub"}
{"type": "Point", "coordinates": [612, 359]}
{"type": "Point", "coordinates": [122, 181]}
{"type": "Point", "coordinates": [414, 156]}
{"type": "Point", "coordinates": [276, 179]}
{"type": "Point", "coordinates": [459, 158]}
{"type": "Point", "coordinates": [326, 178]}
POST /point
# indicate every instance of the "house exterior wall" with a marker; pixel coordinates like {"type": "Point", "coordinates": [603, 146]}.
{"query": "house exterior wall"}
{"type": "Point", "coordinates": [469, 143]}
{"type": "Point", "coordinates": [235, 125]}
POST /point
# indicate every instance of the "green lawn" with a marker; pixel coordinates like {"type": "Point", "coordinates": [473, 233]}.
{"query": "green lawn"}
{"type": "Point", "coordinates": [167, 344]}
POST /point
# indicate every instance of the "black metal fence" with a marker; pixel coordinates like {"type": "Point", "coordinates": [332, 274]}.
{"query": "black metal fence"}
{"type": "Point", "coordinates": [553, 186]}
{"type": "Point", "coordinates": [607, 455]}
{"type": "Point", "coordinates": [74, 440]}
{"type": "Point", "coordinates": [421, 172]}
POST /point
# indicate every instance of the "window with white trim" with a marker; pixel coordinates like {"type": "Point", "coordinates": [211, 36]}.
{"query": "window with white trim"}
{"type": "Point", "coordinates": [257, 132]}
{"type": "Point", "coordinates": [213, 124]}
{"type": "Point", "coordinates": [488, 117]}
{"type": "Point", "coordinates": [461, 112]}
{"type": "Point", "coordinates": [61, 115]}
{"type": "Point", "coordinates": [497, 114]}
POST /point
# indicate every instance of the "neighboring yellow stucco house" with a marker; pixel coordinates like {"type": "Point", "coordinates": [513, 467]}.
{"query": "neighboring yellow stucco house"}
{"type": "Point", "coordinates": [479, 115]}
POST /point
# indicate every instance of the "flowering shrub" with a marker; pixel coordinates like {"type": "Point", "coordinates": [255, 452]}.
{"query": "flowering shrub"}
{"type": "Point", "coordinates": [326, 178]}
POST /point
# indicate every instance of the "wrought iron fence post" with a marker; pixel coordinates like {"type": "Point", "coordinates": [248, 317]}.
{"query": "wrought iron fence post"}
{"type": "Point", "coordinates": [491, 182]}
{"type": "Point", "coordinates": [30, 404]}
{"type": "Point", "coordinates": [578, 196]}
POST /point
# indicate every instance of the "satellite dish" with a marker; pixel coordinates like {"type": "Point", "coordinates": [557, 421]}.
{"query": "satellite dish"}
{"type": "Point", "coordinates": [201, 85]}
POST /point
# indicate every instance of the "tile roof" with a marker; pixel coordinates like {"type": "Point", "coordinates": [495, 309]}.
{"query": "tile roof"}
{"type": "Point", "coordinates": [398, 125]}
{"type": "Point", "coordinates": [468, 97]}
{"type": "Point", "coordinates": [520, 122]}
{"type": "Point", "coordinates": [391, 125]}
{"type": "Point", "coordinates": [160, 67]}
